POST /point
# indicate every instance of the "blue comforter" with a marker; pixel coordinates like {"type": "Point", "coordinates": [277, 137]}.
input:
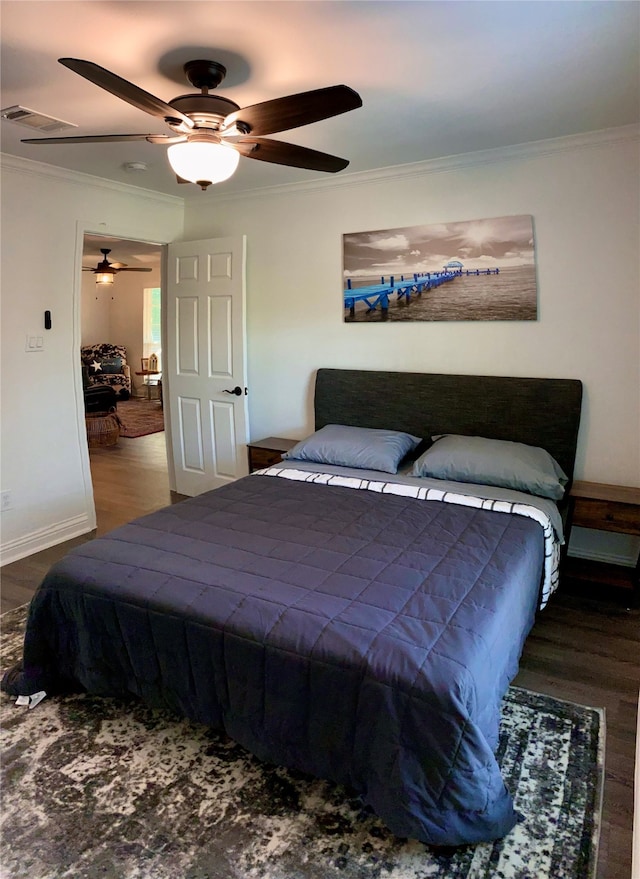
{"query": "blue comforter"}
{"type": "Point", "coordinates": [353, 635]}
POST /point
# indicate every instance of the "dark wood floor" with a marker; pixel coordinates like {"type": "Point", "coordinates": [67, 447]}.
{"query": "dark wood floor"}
{"type": "Point", "coordinates": [583, 649]}
{"type": "Point", "coordinates": [130, 479]}
{"type": "Point", "coordinates": [588, 651]}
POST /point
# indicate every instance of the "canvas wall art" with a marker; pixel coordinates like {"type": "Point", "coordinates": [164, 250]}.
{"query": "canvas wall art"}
{"type": "Point", "coordinates": [473, 270]}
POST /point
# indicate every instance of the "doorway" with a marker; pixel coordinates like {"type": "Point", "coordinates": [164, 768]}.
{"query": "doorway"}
{"type": "Point", "coordinates": [130, 477]}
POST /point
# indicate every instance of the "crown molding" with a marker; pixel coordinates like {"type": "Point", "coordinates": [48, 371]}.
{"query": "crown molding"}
{"type": "Point", "coordinates": [603, 138]}
{"type": "Point", "coordinates": [42, 169]}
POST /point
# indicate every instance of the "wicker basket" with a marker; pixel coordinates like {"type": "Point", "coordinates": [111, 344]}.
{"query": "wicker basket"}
{"type": "Point", "coordinates": [103, 429]}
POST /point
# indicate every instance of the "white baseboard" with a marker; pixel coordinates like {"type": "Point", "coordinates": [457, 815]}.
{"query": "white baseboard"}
{"type": "Point", "coordinates": [43, 538]}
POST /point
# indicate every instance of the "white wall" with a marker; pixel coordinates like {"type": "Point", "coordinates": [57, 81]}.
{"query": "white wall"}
{"type": "Point", "coordinates": [114, 314]}
{"type": "Point", "coordinates": [583, 195]}
{"type": "Point", "coordinates": [44, 461]}
{"type": "Point", "coordinates": [127, 317]}
{"type": "Point", "coordinates": [95, 309]}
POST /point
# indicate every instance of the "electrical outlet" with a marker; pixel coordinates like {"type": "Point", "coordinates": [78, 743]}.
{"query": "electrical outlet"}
{"type": "Point", "coordinates": [5, 501]}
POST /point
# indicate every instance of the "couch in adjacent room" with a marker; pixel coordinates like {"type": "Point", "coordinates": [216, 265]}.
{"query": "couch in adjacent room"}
{"type": "Point", "coordinates": [106, 364]}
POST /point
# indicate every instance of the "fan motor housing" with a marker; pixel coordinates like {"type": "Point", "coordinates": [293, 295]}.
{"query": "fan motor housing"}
{"type": "Point", "coordinates": [204, 109]}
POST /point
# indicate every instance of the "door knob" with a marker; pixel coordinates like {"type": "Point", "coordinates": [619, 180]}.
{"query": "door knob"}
{"type": "Point", "coordinates": [237, 391]}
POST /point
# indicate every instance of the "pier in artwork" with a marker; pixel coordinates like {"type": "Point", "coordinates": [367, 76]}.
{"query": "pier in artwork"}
{"type": "Point", "coordinates": [377, 295]}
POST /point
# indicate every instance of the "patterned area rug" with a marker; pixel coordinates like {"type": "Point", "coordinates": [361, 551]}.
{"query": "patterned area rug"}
{"type": "Point", "coordinates": [94, 788]}
{"type": "Point", "coordinates": [140, 417]}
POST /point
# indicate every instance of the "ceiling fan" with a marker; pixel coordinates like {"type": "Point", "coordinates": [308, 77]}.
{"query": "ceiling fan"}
{"type": "Point", "coordinates": [106, 271]}
{"type": "Point", "coordinates": [210, 132]}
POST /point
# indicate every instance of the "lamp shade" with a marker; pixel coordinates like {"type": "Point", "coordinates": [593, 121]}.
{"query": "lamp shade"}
{"type": "Point", "coordinates": [203, 163]}
{"type": "Point", "coordinates": [104, 277]}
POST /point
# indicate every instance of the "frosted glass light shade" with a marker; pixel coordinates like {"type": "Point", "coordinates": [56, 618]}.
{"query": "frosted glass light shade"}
{"type": "Point", "coordinates": [203, 163]}
{"type": "Point", "coordinates": [104, 278]}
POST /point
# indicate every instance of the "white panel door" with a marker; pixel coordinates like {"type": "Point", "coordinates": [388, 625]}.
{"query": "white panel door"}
{"type": "Point", "coordinates": [206, 362]}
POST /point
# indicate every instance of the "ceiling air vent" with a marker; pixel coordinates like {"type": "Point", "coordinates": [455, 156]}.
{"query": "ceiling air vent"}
{"type": "Point", "coordinates": [33, 119]}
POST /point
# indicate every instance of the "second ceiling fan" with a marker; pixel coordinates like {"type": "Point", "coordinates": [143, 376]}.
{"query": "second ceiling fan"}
{"type": "Point", "coordinates": [106, 271]}
{"type": "Point", "coordinates": [210, 132]}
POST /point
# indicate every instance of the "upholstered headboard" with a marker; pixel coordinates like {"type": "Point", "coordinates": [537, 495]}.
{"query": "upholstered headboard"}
{"type": "Point", "coordinates": [538, 411]}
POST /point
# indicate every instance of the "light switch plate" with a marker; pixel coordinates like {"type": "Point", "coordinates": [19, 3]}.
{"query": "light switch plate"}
{"type": "Point", "coordinates": [34, 343]}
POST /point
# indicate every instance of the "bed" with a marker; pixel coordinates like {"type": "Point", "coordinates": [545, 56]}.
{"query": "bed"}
{"type": "Point", "coordinates": [351, 623]}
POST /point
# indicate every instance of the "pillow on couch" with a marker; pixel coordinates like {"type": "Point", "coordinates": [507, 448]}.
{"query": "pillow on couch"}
{"type": "Point", "coordinates": [102, 351]}
{"type": "Point", "coordinates": [111, 365]}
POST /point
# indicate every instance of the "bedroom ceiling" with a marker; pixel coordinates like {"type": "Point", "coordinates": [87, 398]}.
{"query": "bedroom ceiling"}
{"type": "Point", "coordinates": [436, 78]}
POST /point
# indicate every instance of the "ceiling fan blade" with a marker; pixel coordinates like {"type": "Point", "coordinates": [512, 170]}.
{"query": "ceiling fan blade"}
{"type": "Point", "coordinates": [132, 269]}
{"type": "Point", "coordinates": [125, 90]}
{"type": "Point", "coordinates": [295, 156]}
{"type": "Point", "coordinates": [117, 265]}
{"type": "Point", "coordinates": [92, 138]}
{"type": "Point", "coordinates": [282, 114]}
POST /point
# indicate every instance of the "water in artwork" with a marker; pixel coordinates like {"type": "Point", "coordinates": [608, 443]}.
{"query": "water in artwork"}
{"type": "Point", "coordinates": [509, 295]}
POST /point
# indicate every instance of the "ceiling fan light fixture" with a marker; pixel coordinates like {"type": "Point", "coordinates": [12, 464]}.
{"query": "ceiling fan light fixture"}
{"type": "Point", "coordinates": [203, 162]}
{"type": "Point", "coordinates": [210, 132]}
{"type": "Point", "coordinates": [104, 278]}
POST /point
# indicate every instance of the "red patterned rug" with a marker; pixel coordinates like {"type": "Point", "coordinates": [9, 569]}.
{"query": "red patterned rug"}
{"type": "Point", "coordinates": [140, 417]}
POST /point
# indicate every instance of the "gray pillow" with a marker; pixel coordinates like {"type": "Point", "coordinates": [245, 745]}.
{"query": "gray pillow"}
{"type": "Point", "coordinates": [365, 448]}
{"type": "Point", "coordinates": [485, 461]}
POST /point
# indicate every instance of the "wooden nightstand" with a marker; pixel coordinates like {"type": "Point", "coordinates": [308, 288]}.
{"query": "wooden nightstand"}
{"type": "Point", "coordinates": [605, 508]}
{"type": "Point", "coordinates": [267, 452]}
